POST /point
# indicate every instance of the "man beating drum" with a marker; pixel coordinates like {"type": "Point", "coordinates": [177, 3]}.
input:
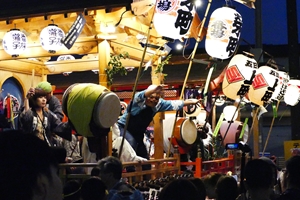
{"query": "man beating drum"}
{"type": "Point", "coordinates": [144, 106]}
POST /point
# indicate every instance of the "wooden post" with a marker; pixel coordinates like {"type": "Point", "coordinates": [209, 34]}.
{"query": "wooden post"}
{"type": "Point", "coordinates": [255, 134]}
{"type": "Point", "coordinates": [103, 59]}
{"type": "Point", "coordinates": [158, 124]}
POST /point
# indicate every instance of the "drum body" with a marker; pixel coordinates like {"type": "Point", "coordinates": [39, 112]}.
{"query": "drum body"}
{"type": "Point", "coordinates": [87, 102]}
{"type": "Point", "coordinates": [233, 132]}
{"type": "Point", "coordinates": [185, 132]}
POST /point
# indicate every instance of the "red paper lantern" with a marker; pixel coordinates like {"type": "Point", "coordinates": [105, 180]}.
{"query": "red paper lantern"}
{"type": "Point", "coordinates": [263, 85]}
{"type": "Point", "coordinates": [239, 75]}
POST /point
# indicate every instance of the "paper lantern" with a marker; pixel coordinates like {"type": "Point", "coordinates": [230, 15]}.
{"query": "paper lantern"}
{"type": "Point", "coordinates": [50, 38]}
{"type": "Point", "coordinates": [263, 85]}
{"type": "Point", "coordinates": [239, 75]}
{"type": "Point", "coordinates": [65, 57]}
{"type": "Point", "coordinates": [283, 79]}
{"type": "Point", "coordinates": [292, 93]}
{"type": "Point", "coordinates": [230, 113]}
{"type": "Point", "coordinates": [172, 19]}
{"type": "Point", "coordinates": [223, 33]}
{"type": "Point", "coordinates": [14, 42]}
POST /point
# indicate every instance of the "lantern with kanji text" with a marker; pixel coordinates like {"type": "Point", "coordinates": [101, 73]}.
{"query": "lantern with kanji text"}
{"type": "Point", "coordinates": [173, 18]}
{"type": "Point", "coordinates": [263, 85]}
{"type": "Point", "coordinates": [223, 33]}
{"type": "Point", "coordinates": [239, 75]}
{"type": "Point", "coordinates": [50, 38]}
{"type": "Point", "coordinates": [14, 42]}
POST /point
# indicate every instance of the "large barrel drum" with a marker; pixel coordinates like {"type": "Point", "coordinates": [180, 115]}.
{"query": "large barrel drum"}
{"type": "Point", "coordinates": [86, 103]}
{"type": "Point", "coordinates": [185, 132]}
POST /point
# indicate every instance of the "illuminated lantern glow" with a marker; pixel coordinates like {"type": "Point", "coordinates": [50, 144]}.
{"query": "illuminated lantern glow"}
{"type": "Point", "coordinates": [223, 33]}
{"type": "Point", "coordinates": [14, 42]}
{"type": "Point", "coordinates": [50, 38]}
{"type": "Point", "coordinates": [230, 113]}
{"type": "Point", "coordinates": [292, 94]}
{"type": "Point", "coordinates": [263, 85]}
{"type": "Point", "coordinates": [239, 75]}
{"type": "Point", "coordinates": [283, 79]}
{"type": "Point", "coordinates": [65, 57]}
{"type": "Point", "coordinates": [173, 18]}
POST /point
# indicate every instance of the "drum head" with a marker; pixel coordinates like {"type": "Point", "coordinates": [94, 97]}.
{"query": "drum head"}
{"type": "Point", "coordinates": [106, 110]}
{"type": "Point", "coordinates": [188, 132]}
{"type": "Point", "coordinates": [65, 99]}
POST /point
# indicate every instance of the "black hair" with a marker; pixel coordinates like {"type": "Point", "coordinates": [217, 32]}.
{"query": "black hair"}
{"type": "Point", "coordinates": [293, 170]}
{"type": "Point", "coordinates": [111, 164]}
{"type": "Point", "coordinates": [179, 189]}
{"type": "Point", "coordinates": [37, 93]}
{"type": "Point", "coordinates": [258, 174]}
{"type": "Point", "coordinates": [227, 188]}
{"type": "Point", "coordinates": [24, 157]}
{"type": "Point", "coordinates": [93, 189]}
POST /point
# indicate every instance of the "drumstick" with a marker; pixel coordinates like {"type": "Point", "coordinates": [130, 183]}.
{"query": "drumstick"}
{"type": "Point", "coordinates": [137, 80]}
{"type": "Point", "coordinates": [32, 77]}
{"type": "Point", "coordinates": [190, 65]}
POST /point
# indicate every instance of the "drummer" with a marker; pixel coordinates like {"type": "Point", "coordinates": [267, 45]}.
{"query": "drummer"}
{"type": "Point", "coordinates": [53, 102]}
{"type": "Point", "coordinates": [144, 106]}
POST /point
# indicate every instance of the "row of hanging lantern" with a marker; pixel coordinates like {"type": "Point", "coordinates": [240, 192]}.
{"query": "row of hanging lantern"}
{"type": "Point", "coordinates": [243, 79]}
{"type": "Point", "coordinates": [15, 41]}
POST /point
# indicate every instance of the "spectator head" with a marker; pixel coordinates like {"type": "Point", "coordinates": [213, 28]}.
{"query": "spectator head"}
{"type": "Point", "coordinates": [28, 168]}
{"type": "Point", "coordinates": [292, 173]}
{"type": "Point", "coordinates": [227, 188]}
{"type": "Point", "coordinates": [273, 166]}
{"type": "Point", "coordinates": [210, 182]}
{"type": "Point", "coordinates": [110, 170]}
{"type": "Point", "coordinates": [95, 171]}
{"type": "Point", "coordinates": [179, 189]}
{"type": "Point", "coordinates": [258, 174]}
{"type": "Point", "coordinates": [93, 189]}
{"type": "Point", "coordinates": [200, 186]}
{"type": "Point", "coordinates": [72, 190]}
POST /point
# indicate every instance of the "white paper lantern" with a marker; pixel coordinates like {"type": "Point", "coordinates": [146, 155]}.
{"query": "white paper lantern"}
{"type": "Point", "coordinates": [283, 79]}
{"type": "Point", "coordinates": [50, 38]}
{"type": "Point", "coordinates": [239, 75]}
{"type": "Point", "coordinates": [292, 94]}
{"type": "Point", "coordinates": [172, 19]}
{"type": "Point", "coordinates": [263, 85]}
{"type": "Point", "coordinates": [223, 33]}
{"type": "Point", "coordinates": [14, 42]}
{"type": "Point", "coordinates": [230, 113]}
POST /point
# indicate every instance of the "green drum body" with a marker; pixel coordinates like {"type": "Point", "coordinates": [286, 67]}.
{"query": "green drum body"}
{"type": "Point", "coordinates": [86, 103]}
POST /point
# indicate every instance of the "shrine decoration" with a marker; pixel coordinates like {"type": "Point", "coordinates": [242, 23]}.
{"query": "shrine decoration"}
{"type": "Point", "coordinates": [173, 18]}
{"type": "Point", "coordinates": [239, 75]}
{"type": "Point", "coordinates": [292, 93]}
{"type": "Point", "coordinates": [263, 85]}
{"type": "Point", "coordinates": [223, 33]}
{"type": "Point", "coordinates": [14, 42]}
{"type": "Point", "coordinates": [50, 38]}
{"type": "Point", "coordinates": [283, 79]}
